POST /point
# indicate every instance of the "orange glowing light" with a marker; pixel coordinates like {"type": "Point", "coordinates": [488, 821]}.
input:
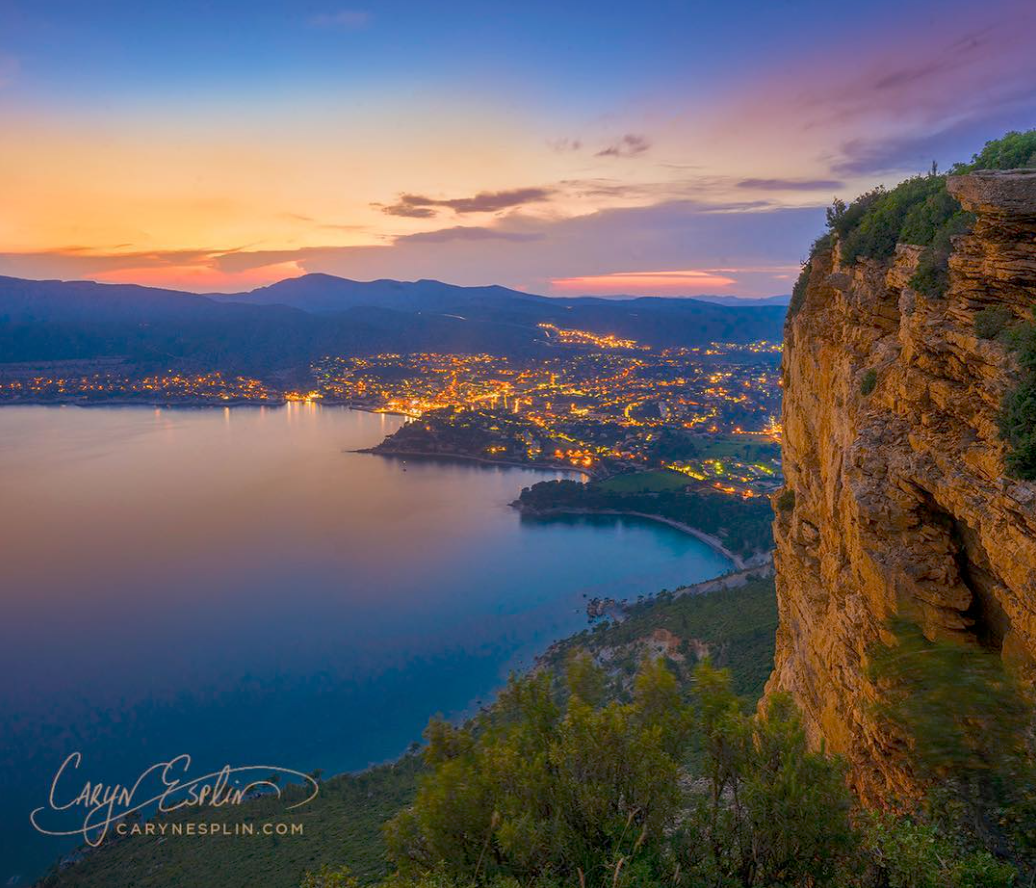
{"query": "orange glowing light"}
{"type": "Point", "coordinates": [661, 283]}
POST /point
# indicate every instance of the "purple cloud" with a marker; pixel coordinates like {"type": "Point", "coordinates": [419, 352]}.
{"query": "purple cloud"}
{"type": "Point", "coordinates": [791, 184]}
{"type": "Point", "coordinates": [419, 206]}
{"type": "Point", "coordinates": [630, 145]}
{"type": "Point", "coordinates": [466, 233]}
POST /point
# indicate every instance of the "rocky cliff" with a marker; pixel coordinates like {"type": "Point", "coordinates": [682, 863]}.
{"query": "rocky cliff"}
{"type": "Point", "coordinates": [891, 447]}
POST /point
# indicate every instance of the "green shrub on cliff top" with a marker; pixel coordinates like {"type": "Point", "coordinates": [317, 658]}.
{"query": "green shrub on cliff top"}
{"type": "Point", "coordinates": [884, 219]}
{"type": "Point", "coordinates": [932, 277]}
{"type": "Point", "coordinates": [920, 210]}
{"type": "Point", "coordinates": [1013, 151]}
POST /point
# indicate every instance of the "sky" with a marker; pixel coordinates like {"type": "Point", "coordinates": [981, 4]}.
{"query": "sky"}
{"type": "Point", "coordinates": [656, 148]}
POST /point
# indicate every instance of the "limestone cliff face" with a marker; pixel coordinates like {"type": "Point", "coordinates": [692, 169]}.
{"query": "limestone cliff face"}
{"type": "Point", "coordinates": [901, 500]}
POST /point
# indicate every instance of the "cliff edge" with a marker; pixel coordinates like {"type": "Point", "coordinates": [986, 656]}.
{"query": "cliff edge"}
{"type": "Point", "coordinates": [892, 451]}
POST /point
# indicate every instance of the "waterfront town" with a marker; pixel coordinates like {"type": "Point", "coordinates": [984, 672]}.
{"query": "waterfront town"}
{"type": "Point", "coordinates": [599, 404]}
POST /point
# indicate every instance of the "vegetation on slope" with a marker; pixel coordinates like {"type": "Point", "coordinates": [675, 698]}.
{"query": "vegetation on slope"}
{"type": "Point", "coordinates": [919, 211]}
{"type": "Point", "coordinates": [1018, 416]}
{"type": "Point", "coordinates": [595, 793]}
{"type": "Point", "coordinates": [662, 773]}
{"type": "Point", "coordinates": [679, 786]}
{"type": "Point", "coordinates": [743, 525]}
{"type": "Point", "coordinates": [735, 628]}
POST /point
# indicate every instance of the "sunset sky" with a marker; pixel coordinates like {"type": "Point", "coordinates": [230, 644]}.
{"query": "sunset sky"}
{"type": "Point", "coordinates": [563, 148]}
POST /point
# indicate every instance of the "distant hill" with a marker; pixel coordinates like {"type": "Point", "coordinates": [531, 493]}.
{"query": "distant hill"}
{"type": "Point", "coordinates": [289, 323]}
{"type": "Point", "coordinates": [740, 302]}
{"type": "Point", "coordinates": [327, 293]}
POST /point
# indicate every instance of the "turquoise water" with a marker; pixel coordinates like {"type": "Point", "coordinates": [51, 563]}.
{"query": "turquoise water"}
{"type": "Point", "coordinates": [235, 585]}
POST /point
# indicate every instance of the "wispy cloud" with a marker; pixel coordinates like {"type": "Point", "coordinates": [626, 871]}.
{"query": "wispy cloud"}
{"type": "Point", "coordinates": [791, 184]}
{"type": "Point", "coordinates": [467, 233]}
{"type": "Point", "coordinates": [409, 211]}
{"type": "Point", "coordinates": [707, 244]}
{"type": "Point", "coordinates": [420, 206]}
{"type": "Point", "coordinates": [565, 146]}
{"type": "Point", "coordinates": [756, 248]}
{"type": "Point", "coordinates": [630, 145]}
{"type": "Point", "coordinates": [343, 19]}
{"type": "Point", "coordinates": [316, 223]}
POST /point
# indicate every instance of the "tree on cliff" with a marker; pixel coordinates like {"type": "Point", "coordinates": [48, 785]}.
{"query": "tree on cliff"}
{"type": "Point", "coordinates": [575, 793]}
{"type": "Point", "coordinates": [679, 787]}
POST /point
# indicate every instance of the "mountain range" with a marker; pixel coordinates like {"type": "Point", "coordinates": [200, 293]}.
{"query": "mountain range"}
{"type": "Point", "coordinates": [289, 323]}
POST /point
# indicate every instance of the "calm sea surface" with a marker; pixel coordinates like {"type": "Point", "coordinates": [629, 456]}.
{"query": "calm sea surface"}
{"type": "Point", "coordinates": [234, 585]}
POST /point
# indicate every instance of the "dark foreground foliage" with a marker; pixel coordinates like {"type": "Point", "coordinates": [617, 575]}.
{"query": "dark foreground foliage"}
{"type": "Point", "coordinates": [679, 786]}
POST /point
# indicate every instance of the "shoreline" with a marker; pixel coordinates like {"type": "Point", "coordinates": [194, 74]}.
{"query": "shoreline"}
{"type": "Point", "coordinates": [461, 457]}
{"type": "Point", "coordinates": [190, 404]}
{"type": "Point", "coordinates": [132, 402]}
{"type": "Point", "coordinates": [711, 541]}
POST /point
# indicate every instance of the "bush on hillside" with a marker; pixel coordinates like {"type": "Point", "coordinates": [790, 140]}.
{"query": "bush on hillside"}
{"type": "Point", "coordinates": [880, 226]}
{"type": "Point", "coordinates": [991, 322]}
{"type": "Point", "coordinates": [1015, 150]}
{"type": "Point", "coordinates": [1018, 415]}
{"type": "Point", "coordinates": [868, 382]}
{"type": "Point", "coordinates": [591, 794]}
{"type": "Point", "coordinates": [921, 211]}
{"type": "Point", "coordinates": [675, 788]}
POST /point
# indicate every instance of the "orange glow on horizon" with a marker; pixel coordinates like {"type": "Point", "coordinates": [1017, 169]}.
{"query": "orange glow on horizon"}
{"type": "Point", "coordinates": [644, 282]}
{"type": "Point", "coordinates": [201, 278]}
